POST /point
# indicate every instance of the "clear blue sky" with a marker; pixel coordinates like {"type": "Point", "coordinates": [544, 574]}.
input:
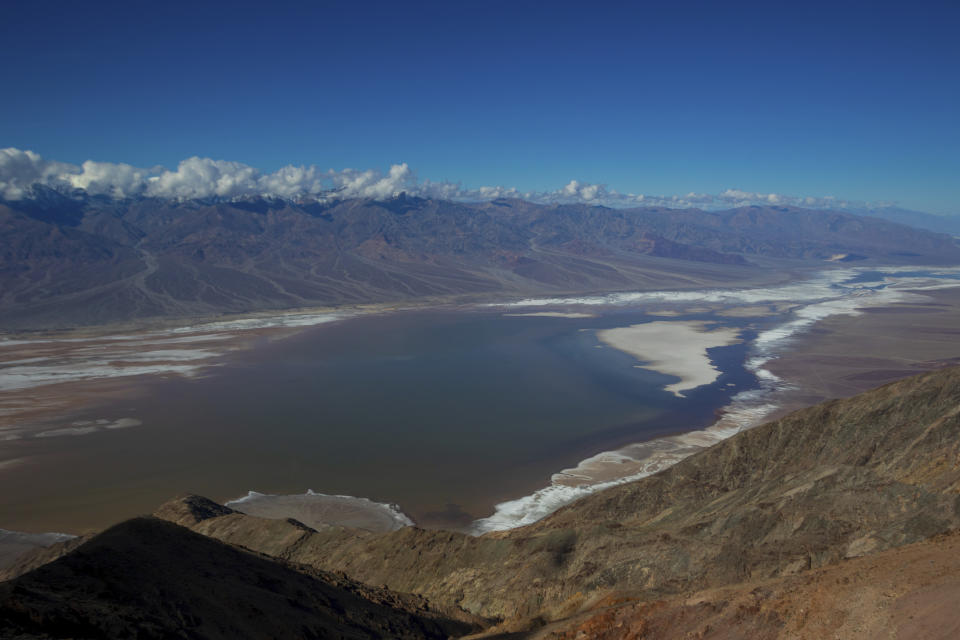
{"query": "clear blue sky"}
{"type": "Point", "coordinates": [860, 100]}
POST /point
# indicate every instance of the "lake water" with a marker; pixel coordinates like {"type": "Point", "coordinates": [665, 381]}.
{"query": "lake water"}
{"type": "Point", "coordinates": [446, 413]}
{"type": "Point", "coordinates": [443, 413]}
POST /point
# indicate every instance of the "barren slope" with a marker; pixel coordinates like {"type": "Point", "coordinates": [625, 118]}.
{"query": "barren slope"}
{"type": "Point", "coordinates": [839, 480]}
{"type": "Point", "coordinates": [910, 593]}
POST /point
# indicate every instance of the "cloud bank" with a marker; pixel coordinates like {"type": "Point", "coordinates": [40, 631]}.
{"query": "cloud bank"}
{"type": "Point", "coordinates": [198, 178]}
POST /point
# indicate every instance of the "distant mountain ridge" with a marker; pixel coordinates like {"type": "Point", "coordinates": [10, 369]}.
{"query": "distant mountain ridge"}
{"type": "Point", "coordinates": [74, 259]}
{"type": "Point", "coordinates": [929, 221]}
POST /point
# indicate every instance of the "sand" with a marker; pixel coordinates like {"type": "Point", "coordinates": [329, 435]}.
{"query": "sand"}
{"type": "Point", "coordinates": [551, 314]}
{"type": "Point", "coordinates": [847, 355]}
{"type": "Point", "coordinates": [633, 461]}
{"type": "Point", "coordinates": [318, 510]}
{"type": "Point", "coordinates": [749, 312]}
{"type": "Point", "coordinates": [673, 348]}
{"type": "Point", "coordinates": [674, 313]}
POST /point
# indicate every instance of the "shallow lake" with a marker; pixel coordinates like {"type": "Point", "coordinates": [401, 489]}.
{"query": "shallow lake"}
{"type": "Point", "coordinates": [445, 413]}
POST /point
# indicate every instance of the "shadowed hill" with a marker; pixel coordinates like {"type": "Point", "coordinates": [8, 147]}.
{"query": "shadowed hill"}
{"type": "Point", "coordinates": [148, 578]}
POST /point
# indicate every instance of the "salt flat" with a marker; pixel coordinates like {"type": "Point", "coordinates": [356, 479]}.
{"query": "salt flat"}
{"type": "Point", "coordinates": [674, 348]}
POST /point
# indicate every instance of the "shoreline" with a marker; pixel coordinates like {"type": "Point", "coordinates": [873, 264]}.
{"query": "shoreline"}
{"type": "Point", "coordinates": [604, 468]}
{"type": "Point", "coordinates": [747, 409]}
{"type": "Point", "coordinates": [45, 377]}
{"type": "Point", "coordinates": [778, 274]}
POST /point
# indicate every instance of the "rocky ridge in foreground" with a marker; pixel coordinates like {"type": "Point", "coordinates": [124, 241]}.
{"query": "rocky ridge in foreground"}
{"type": "Point", "coordinates": [149, 578]}
{"type": "Point", "coordinates": [771, 509]}
{"type": "Point", "coordinates": [908, 593]}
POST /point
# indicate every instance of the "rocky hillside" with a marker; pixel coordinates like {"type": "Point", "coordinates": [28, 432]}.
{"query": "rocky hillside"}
{"type": "Point", "coordinates": [737, 541]}
{"type": "Point", "coordinates": [840, 480]}
{"type": "Point", "coordinates": [148, 578]}
{"type": "Point", "coordinates": [908, 593]}
{"type": "Point", "coordinates": [75, 259]}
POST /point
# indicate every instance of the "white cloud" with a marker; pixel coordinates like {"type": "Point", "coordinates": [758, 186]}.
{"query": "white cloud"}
{"type": "Point", "coordinates": [372, 184]}
{"type": "Point", "coordinates": [293, 182]}
{"type": "Point", "coordinates": [583, 192]}
{"type": "Point", "coordinates": [204, 178]}
{"type": "Point", "coordinates": [19, 170]}
{"type": "Point", "coordinates": [117, 180]}
{"type": "Point", "coordinates": [454, 191]}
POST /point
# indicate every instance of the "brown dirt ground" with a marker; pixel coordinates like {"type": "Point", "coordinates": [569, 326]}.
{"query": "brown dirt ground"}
{"type": "Point", "coordinates": [909, 593]}
{"type": "Point", "coordinates": [846, 355]}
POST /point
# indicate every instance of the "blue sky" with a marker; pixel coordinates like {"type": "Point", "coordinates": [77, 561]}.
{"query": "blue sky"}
{"type": "Point", "coordinates": [858, 100]}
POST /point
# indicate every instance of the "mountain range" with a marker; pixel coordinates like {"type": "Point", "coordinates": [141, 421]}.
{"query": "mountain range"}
{"type": "Point", "coordinates": [72, 259]}
{"type": "Point", "coordinates": [949, 224]}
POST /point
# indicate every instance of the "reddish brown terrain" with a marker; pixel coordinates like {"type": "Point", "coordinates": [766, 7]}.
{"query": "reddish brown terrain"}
{"type": "Point", "coordinates": [910, 593]}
